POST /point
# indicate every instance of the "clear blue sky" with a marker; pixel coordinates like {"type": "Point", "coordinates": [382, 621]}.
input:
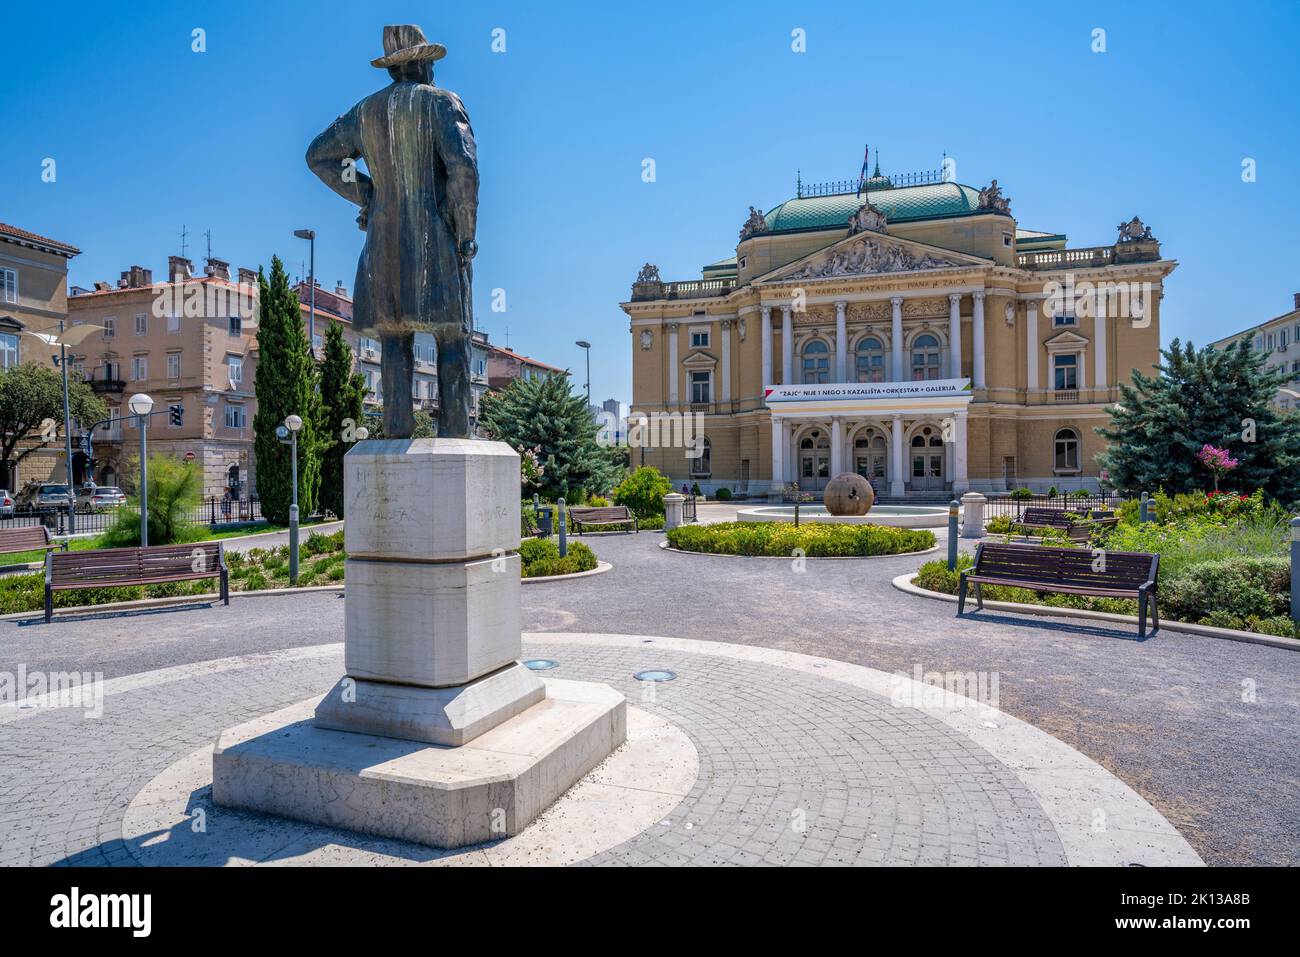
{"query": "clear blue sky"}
{"type": "Point", "coordinates": [149, 135]}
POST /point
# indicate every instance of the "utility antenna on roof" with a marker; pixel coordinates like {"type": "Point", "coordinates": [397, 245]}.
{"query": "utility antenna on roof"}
{"type": "Point", "coordinates": [184, 234]}
{"type": "Point", "coordinates": [208, 233]}
{"type": "Point", "coordinates": [507, 337]}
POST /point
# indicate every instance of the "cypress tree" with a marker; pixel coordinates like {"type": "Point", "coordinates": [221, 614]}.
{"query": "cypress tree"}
{"type": "Point", "coordinates": [544, 414]}
{"type": "Point", "coordinates": [285, 385]}
{"type": "Point", "coordinates": [1207, 396]}
{"type": "Point", "coordinates": [342, 397]}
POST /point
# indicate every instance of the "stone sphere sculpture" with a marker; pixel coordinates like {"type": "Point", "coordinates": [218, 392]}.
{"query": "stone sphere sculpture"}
{"type": "Point", "coordinates": [849, 494]}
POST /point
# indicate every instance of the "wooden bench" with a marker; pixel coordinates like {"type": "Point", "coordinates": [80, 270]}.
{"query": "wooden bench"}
{"type": "Point", "coordinates": [1075, 571]}
{"type": "Point", "coordinates": [1076, 529]}
{"type": "Point", "coordinates": [581, 516]}
{"type": "Point", "coordinates": [27, 539]}
{"type": "Point", "coordinates": [114, 567]}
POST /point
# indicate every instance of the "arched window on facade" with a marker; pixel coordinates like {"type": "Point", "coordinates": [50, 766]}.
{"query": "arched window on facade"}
{"type": "Point", "coordinates": [925, 358]}
{"type": "Point", "coordinates": [1067, 451]}
{"type": "Point", "coordinates": [870, 360]}
{"type": "Point", "coordinates": [816, 362]}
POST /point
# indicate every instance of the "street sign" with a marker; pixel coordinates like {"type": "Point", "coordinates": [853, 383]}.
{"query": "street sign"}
{"type": "Point", "coordinates": [189, 456]}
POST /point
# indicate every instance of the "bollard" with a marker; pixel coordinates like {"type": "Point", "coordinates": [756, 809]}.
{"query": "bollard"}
{"type": "Point", "coordinates": [1143, 510]}
{"type": "Point", "coordinates": [673, 510]}
{"type": "Point", "coordinates": [973, 526]}
{"type": "Point", "coordinates": [952, 534]}
{"type": "Point", "coordinates": [564, 527]}
{"type": "Point", "coordinates": [1295, 570]}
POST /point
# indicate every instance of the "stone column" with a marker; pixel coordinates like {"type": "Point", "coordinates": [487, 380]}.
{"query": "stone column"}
{"type": "Point", "coordinates": [767, 347]}
{"type": "Point", "coordinates": [1032, 307]}
{"type": "Point", "coordinates": [724, 387]}
{"type": "Point", "coordinates": [837, 446]}
{"type": "Point", "coordinates": [954, 336]}
{"type": "Point", "coordinates": [674, 373]}
{"type": "Point", "coordinates": [960, 482]}
{"type": "Point", "coordinates": [778, 450]}
{"type": "Point", "coordinates": [896, 332]}
{"type": "Point", "coordinates": [841, 344]}
{"type": "Point", "coordinates": [896, 482]}
{"type": "Point", "coordinates": [787, 347]}
{"type": "Point", "coordinates": [1099, 339]}
{"type": "Point", "coordinates": [977, 342]}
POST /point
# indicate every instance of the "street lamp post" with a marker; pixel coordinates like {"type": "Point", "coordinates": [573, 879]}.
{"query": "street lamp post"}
{"type": "Point", "coordinates": [67, 437]}
{"type": "Point", "coordinates": [141, 405]}
{"type": "Point", "coordinates": [586, 346]}
{"type": "Point", "coordinates": [310, 236]}
{"type": "Point", "coordinates": [289, 430]}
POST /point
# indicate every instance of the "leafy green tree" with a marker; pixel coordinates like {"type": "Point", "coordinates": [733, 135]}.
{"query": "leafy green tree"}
{"type": "Point", "coordinates": [1219, 397]}
{"type": "Point", "coordinates": [175, 490]}
{"type": "Point", "coordinates": [31, 409]}
{"type": "Point", "coordinates": [342, 395]}
{"type": "Point", "coordinates": [546, 415]}
{"type": "Point", "coordinates": [425, 426]}
{"type": "Point", "coordinates": [285, 385]}
{"type": "Point", "coordinates": [643, 492]}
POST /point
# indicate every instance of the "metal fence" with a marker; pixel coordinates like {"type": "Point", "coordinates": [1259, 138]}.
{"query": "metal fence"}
{"type": "Point", "coordinates": [1000, 505]}
{"type": "Point", "coordinates": [212, 511]}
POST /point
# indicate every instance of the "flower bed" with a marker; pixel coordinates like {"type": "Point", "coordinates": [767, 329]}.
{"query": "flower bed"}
{"type": "Point", "coordinates": [783, 539]}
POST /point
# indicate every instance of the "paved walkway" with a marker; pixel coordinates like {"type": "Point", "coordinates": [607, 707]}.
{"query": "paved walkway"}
{"type": "Point", "coordinates": [1204, 729]}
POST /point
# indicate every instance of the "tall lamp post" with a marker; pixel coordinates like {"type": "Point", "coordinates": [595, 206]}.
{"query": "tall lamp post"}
{"type": "Point", "coordinates": [310, 236]}
{"type": "Point", "coordinates": [586, 346]}
{"type": "Point", "coordinates": [289, 432]}
{"type": "Point", "coordinates": [141, 405]}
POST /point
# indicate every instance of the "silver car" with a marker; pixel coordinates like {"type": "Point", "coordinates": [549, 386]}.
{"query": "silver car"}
{"type": "Point", "coordinates": [43, 497]}
{"type": "Point", "coordinates": [6, 504]}
{"type": "Point", "coordinates": [96, 498]}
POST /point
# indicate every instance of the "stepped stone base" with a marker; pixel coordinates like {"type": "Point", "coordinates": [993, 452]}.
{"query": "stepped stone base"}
{"type": "Point", "coordinates": [490, 788]}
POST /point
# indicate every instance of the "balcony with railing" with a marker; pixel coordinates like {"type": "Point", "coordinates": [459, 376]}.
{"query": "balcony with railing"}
{"type": "Point", "coordinates": [103, 385]}
{"type": "Point", "coordinates": [1090, 257]}
{"type": "Point", "coordinates": [689, 289]}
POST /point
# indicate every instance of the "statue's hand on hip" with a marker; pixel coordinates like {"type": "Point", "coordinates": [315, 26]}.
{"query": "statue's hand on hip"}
{"type": "Point", "coordinates": [468, 250]}
{"type": "Point", "coordinates": [363, 218]}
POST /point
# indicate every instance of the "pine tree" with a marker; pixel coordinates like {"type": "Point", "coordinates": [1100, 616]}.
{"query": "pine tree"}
{"type": "Point", "coordinates": [285, 385]}
{"type": "Point", "coordinates": [1219, 397]}
{"type": "Point", "coordinates": [342, 396]}
{"type": "Point", "coordinates": [544, 414]}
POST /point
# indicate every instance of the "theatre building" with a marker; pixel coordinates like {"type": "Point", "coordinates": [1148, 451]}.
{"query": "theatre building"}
{"type": "Point", "coordinates": [908, 330]}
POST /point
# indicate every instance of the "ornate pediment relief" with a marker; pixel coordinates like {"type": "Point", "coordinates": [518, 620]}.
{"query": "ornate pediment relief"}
{"type": "Point", "coordinates": [700, 359]}
{"type": "Point", "coordinates": [868, 254]}
{"type": "Point", "coordinates": [1065, 340]}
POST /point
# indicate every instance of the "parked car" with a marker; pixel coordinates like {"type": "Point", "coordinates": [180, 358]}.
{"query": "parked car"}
{"type": "Point", "coordinates": [6, 504]}
{"type": "Point", "coordinates": [42, 497]}
{"type": "Point", "coordinates": [96, 498]}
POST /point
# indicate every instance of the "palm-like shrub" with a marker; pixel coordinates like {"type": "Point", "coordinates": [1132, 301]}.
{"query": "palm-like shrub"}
{"type": "Point", "coordinates": [175, 490]}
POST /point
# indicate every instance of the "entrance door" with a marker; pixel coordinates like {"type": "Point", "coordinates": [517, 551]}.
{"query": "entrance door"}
{"type": "Point", "coordinates": [870, 459]}
{"type": "Point", "coordinates": [814, 460]}
{"type": "Point", "coordinates": [927, 461]}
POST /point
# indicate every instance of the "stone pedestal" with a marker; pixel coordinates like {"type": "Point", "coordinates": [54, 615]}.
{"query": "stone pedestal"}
{"type": "Point", "coordinates": [673, 503]}
{"type": "Point", "coordinates": [431, 648]}
{"type": "Point", "coordinates": [972, 504]}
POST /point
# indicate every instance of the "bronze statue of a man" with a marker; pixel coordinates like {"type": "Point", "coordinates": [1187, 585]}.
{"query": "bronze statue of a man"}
{"type": "Point", "coordinates": [418, 205]}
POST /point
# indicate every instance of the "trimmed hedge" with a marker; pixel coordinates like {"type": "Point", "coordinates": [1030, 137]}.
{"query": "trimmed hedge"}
{"type": "Point", "coordinates": [782, 539]}
{"type": "Point", "coordinates": [540, 557]}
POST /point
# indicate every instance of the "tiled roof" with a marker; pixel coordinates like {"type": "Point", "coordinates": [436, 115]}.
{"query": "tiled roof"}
{"type": "Point", "coordinates": [35, 239]}
{"type": "Point", "coordinates": [525, 359]}
{"type": "Point", "coordinates": [932, 201]}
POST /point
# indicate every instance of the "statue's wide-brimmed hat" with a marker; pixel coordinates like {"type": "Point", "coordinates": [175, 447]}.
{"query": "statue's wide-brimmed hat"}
{"type": "Point", "coordinates": [405, 43]}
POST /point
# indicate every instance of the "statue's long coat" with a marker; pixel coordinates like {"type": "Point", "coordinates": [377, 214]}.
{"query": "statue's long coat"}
{"type": "Point", "coordinates": [421, 199]}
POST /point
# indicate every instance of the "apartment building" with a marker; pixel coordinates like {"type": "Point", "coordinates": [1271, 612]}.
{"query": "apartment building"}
{"type": "Point", "coordinates": [189, 340]}
{"type": "Point", "coordinates": [503, 366]}
{"type": "Point", "coordinates": [33, 298]}
{"type": "Point", "coordinates": [1279, 337]}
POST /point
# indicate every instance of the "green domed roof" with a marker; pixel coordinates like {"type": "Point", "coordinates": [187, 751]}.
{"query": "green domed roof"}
{"type": "Point", "coordinates": [931, 201]}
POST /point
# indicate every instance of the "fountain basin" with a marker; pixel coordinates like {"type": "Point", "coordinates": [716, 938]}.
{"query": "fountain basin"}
{"type": "Point", "coordinates": [899, 516]}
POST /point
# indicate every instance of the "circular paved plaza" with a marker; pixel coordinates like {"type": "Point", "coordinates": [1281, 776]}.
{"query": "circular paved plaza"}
{"type": "Point", "coordinates": [795, 692]}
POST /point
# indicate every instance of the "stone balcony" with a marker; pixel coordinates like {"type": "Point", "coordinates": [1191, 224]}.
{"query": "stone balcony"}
{"type": "Point", "coordinates": [1090, 257]}
{"type": "Point", "coordinates": [690, 289]}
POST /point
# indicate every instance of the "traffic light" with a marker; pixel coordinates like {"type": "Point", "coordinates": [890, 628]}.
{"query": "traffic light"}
{"type": "Point", "coordinates": [176, 414]}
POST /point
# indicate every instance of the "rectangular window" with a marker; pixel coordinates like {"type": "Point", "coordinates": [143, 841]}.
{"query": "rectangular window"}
{"type": "Point", "coordinates": [1282, 339]}
{"type": "Point", "coordinates": [235, 418]}
{"type": "Point", "coordinates": [369, 347]}
{"type": "Point", "coordinates": [111, 371]}
{"type": "Point", "coordinates": [236, 325]}
{"type": "Point", "coordinates": [173, 365]}
{"type": "Point", "coordinates": [700, 387]}
{"type": "Point", "coordinates": [9, 285]}
{"type": "Point", "coordinates": [8, 350]}
{"type": "Point", "coordinates": [141, 324]}
{"type": "Point", "coordinates": [1065, 318]}
{"type": "Point", "coordinates": [1066, 372]}
{"type": "Point", "coordinates": [235, 369]}
{"type": "Point", "coordinates": [699, 338]}
{"type": "Point", "coordinates": [173, 322]}
{"type": "Point", "coordinates": [110, 327]}
{"type": "Point", "coordinates": [139, 367]}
